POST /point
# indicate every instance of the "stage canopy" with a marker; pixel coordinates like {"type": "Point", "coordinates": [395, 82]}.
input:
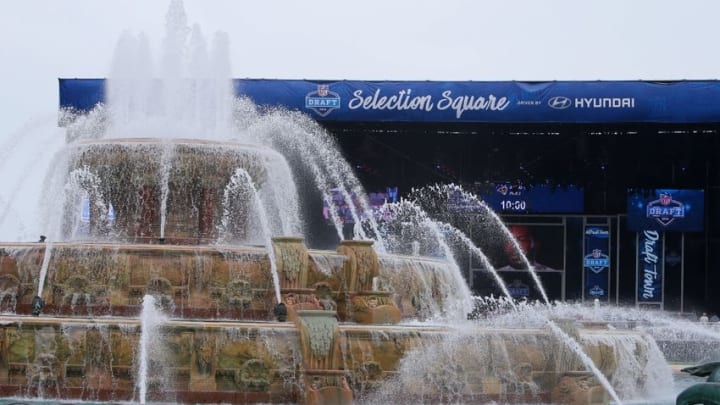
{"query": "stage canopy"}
{"type": "Point", "coordinates": [584, 102]}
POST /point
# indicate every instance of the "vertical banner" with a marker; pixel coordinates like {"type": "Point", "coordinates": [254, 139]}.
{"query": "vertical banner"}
{"type": "Point", "coordinates": [650, 267]}
{"type": "Point", "coordinates": [596, 262]}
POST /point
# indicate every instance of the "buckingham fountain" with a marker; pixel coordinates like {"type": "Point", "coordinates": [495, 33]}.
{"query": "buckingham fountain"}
{"type": "Point", "coordinates": [176, 269]}
{"type": "Point", "coordinates": [162, 221]}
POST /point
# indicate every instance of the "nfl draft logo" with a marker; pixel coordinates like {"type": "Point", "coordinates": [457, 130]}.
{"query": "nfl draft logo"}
{"type": "Point", "coordinates": [665, 209]}
{"type": "Point", "coordinates": [596, 291]}
{"type": "Point", "coordinates": [597, 261]}
{"type": "Point", "coordinates": [322, 100]}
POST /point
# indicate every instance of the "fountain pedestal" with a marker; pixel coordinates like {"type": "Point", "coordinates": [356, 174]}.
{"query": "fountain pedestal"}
{"type": "Point", "coordinates": [374, 307]}
{"type": "Point", "coordinates": [291, 261]}
{"type": "Point", "coordinates": [320, 344]}
{"type": "Point", "coordinates": [359, 301]}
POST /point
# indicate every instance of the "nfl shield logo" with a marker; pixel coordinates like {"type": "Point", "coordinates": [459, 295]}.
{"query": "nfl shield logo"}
{"type": "Point", "coordinates": [322, 100]}
{"type": "Point", "coordinates": [665, 210]}
{"type": "Point", "coordinates": [597, 261]}
{"type": "Point", "coordinates": [596, 291]}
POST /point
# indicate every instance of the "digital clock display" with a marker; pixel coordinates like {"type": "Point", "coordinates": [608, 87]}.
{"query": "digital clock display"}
{"type": "Point", "coordinates": [513, 205]}
{"type": "Point", "coordinates": [538, 199]}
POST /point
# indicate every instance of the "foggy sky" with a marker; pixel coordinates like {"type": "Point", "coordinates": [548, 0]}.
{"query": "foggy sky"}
{"type": "Point", "coordinates": [41, 40]}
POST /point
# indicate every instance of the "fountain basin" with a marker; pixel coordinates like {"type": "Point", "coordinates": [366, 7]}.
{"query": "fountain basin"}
{"type": "Point", "coordinates": [257, 362]}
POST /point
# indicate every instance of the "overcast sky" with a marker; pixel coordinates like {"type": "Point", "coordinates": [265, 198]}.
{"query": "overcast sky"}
{"type": "Point", "coordinates": [41, 40]}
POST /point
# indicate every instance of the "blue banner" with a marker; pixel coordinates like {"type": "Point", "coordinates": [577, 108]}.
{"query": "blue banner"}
{"type": "Point", "coordinates": [81, 94]}
{"type": "Point", "coordinates": [650, 267]}
{"type": "Point", "coordinates": [465, 102]}
{"type": "Point", "coordinates": [596, 261]}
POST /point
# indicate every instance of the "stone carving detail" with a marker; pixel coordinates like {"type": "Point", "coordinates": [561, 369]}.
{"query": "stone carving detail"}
{"type": "Point", "coordinates": [362, 265]}
{"type": "Point", "coordinates": [523, 382]}
{"type": "Point", "coordinates": [328, 389]}
{"type": "Point", "coordinates": [324, 294]}
{"type": "Point", "coordinates": [578, 389]}
{"type": "Point", "coordinates": [161, 288]}
{"type": "Point", "coordinates": [253, 375]}
{"type": "Point", "coordinates": [292, 260]}
{"type": "Point", "coordinates": [44, 371]}
{"type": "Point", "coordinates": [367, 377]}
{"type": "Point", "coordinates": [375, 308]}
{"type": "Point", "coordinates": [367, 268]}
{"type": "Point", "coordinates": [9, 291]}
{"type": "Point", "coordinates": [78, 290]}
{"type": "Point", "coordinates": [204, 355]}
{"type": "Point", "coordinates": [238, 294]}
{"type": "Point", "coordinates": [320, 333]}
{"type": "Point", "coordinates": [371, 370]}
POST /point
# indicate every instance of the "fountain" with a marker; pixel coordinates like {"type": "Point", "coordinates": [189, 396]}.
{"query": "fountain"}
{"type": "Point", "coordinates": [173, 272]}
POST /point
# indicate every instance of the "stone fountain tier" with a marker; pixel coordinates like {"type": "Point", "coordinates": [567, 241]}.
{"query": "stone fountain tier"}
{"type": "Point", "coordinates": [106, 279]}
{"type": "Point", "coordinates": [218, 282]}
{"type": "Point", "coordinates": [343, 343]}
{"type": "Point", "coordinates": [135, 174]}
{"type": "Point", "coordinates": [314, 361]}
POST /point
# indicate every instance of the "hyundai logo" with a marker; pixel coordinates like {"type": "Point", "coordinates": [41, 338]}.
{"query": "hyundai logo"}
{"type": "Point", "coordinates": [559, 102]}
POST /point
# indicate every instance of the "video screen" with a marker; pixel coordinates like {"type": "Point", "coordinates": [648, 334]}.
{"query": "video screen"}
{"type": "Point", "coordinates": [375, 198]}
{"type": "Point", "coordinates": [542, 245]}
{"type": "Point", "coordinates": [535, 199]}
{"type": "Point", "coordinates": [666, 209]}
